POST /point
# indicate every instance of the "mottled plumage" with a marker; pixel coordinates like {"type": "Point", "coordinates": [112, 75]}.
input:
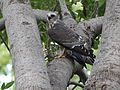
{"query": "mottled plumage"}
{"type": "Point", "coordinates": [67, 38]}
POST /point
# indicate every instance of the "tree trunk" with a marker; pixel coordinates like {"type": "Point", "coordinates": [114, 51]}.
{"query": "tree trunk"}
{"type": "Point", "coordinates": [25, 46]}
{"type": "Point", "coordinates": [105, 74]}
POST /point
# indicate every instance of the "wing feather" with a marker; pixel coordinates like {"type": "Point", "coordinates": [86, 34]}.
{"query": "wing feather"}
{"type": "Point", "coordinates": [67, 38]}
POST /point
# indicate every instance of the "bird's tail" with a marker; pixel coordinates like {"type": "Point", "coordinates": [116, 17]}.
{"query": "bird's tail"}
{"type": "Point", "coordinates": [76, 56]}
{"type": "Point", "coordinates": [91, 54]}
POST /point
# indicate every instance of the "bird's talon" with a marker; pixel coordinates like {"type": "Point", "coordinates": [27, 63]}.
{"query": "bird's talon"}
{"type": "Point", "coordinates": [60, 56]}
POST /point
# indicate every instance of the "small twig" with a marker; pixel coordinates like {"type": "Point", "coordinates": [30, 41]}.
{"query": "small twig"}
{"type": "Point", "coordinates": [82, 74]}
{"type": "Point", "coordinates": [48, 50]}
{"type": "Point", "coordinates": [5, 43]}
{"type": "Point", "coordinates": [64, 10]}
{"type": "Point", "coordinates": [55, 6]}
{"type": "Point", "coordinates": [95, 9]}
{"type": "Point", "coordinates": [77, 84]}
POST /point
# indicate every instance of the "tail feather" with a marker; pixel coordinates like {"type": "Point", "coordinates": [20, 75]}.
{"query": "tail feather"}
{"type": "Point", "coordinates": [76, 56]}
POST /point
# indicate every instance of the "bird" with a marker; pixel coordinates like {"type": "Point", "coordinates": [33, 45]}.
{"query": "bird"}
{"type": "Point", "coordinates": [74, 43]}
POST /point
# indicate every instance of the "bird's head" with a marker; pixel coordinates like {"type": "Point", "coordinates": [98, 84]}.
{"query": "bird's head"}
{"type": "Point", "coordinates": [52, 18]}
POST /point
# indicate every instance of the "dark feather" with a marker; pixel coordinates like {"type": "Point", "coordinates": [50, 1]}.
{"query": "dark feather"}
{"type": "Point", "coordinates": [76, 56]}
{"type": "Point", "coordinates": [67, 38]}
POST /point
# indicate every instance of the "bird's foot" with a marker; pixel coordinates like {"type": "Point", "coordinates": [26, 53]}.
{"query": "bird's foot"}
{"type": "Point", "coordinates": [60, 56]}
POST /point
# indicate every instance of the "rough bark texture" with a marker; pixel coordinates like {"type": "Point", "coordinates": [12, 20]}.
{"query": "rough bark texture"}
{"type": "Point", "coordinates": [60, 72]}
{"type": "Point", "coordinates": [26, 50]}
{"type": "Point", "coordinates": [41, 14]}
{"type": "Point", "coordinates": [93, 27]}
{"type": "Point", "coordinates": [105, 74]}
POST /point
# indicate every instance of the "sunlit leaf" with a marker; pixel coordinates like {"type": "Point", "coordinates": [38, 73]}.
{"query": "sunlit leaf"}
{"type": "Point", "coordinates": [9, 84]}
{"type": "Point", "coordinates": [77, 6]}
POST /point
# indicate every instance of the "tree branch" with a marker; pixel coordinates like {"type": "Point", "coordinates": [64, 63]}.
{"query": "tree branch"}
{"type": "Point", "coordinates": [25, 46]}
{"type": "Point", "coordinates": [5, 43]}
{"type": "Point", "coordinates": [41, 14]}
{"type": "Point", "coordinates": [64, 10]}
{"type": "Point", "coordinates": [60, 71]}
{"type": "Point", "coordinates": [77, 84]}
{"type": "Point", "coordinates": [92, 26]}
{"type": "Point", "coordinates": [105, 73]}
{"type": "Point", "coordinates": [66, 16]}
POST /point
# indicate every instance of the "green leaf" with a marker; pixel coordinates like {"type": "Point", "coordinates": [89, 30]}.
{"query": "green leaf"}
{"type": "Point", "coordinates": [62, 0]}
{"type": "Point", "coordinates": [9, 84]}
{"type": "Point", "coordinates": [101, 2]}
{"type": "Point", "coordinates": [96, 43]}
{"type": "Point", "coordinates": [77, 6]}
{"type": "Point", "coordinates": [3, 86]}
{"type": "Point", "coordinates": [101, 9]}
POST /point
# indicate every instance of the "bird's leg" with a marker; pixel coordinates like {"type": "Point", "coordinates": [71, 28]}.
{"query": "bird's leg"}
{"type": "Point", "coordinates": [62, 54]}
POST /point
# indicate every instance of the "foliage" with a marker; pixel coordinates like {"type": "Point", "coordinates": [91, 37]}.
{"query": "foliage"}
{"type": "Point", "coordinates": [4, 58]}
{"type": "Point", "coordinates": [43, 4]}
{"type": "Point", "coordinates": [6, 86]}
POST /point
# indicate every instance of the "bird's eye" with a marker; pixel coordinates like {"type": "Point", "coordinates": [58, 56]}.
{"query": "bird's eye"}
{"type": "Point", "coordinates": [52, 15]}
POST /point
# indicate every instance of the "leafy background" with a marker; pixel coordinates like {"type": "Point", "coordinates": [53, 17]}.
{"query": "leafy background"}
{"type": "Point", "coordinates": [80, 10]}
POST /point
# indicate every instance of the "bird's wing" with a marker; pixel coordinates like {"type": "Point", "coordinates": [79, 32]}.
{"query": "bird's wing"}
{"type": "Point", "coordinates": [67, 38]}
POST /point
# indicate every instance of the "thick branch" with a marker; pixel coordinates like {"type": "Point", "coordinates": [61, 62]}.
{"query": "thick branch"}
{"type": "Point", "coordinates": [41, 14]}
{"type": "Point", "coordinates": [25, 46]}
{"type": "Point", "coordinates": [105, 74]}
{"type": "Point", "coordinates": [60, 71]}
{"type": "Point", "coordinates": [64, 10]}
{"type": "Point", "coordinates": [93, 26]}
{"type": "Point", "coordinates": [66, 16]}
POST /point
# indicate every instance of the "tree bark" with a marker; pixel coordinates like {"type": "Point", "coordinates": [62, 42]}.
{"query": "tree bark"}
{"type": "Point", "coordinates": [105, 74]}
{"type": "Point", "coordinates": [25, 46]}
{"type": "Point", "coordinates": [60, 71]}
